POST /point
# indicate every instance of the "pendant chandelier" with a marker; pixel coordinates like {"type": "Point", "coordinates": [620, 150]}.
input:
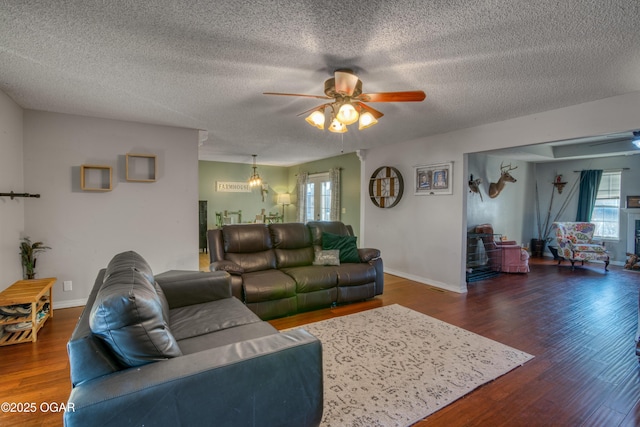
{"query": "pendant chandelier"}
{"type": "Point", "coordinates": [254, 179]}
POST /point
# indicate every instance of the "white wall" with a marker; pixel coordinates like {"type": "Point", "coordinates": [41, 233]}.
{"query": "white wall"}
{"type": "Point", "coordinates": [11, 179]}
{"type": "Point", "coordinates": [422, 238]}
{"type": "Point", "coordinates": [85, 229]}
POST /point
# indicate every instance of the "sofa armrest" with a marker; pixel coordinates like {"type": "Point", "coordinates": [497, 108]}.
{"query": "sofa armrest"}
{"type": "Point", "coordinates": [272, 380]}
{"type": "Point", "coordinates": [228, 266]}
{"type": "Point", "coordinates": [514, 252]}
{"type": "Point", "coordinates": [182, 288]}
{"type": "Point", "coordinates": [367, 254]}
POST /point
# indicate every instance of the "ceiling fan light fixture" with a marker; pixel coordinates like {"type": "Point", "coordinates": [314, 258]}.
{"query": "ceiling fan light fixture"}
{"type": "Point", "coordinates": [337, 126]}
{"type": "Point", "coordinates": [316, 119]}
{"type": "Point", "coordinates": [347, 114]}
{"type": "Point", "coordinates": [347, 104]}
{"type": "Point", "coordinates": [366, 120]}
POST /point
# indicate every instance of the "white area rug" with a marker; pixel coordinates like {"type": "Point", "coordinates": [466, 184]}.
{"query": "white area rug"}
{"type": "Point", "coordinates": [393, 366]}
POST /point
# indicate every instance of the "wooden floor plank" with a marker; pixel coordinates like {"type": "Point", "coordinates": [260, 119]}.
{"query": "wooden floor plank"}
{"type": "Point", "coordinates": [579, 324]}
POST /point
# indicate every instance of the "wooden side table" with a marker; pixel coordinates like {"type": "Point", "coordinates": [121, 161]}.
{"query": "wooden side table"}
{"type": "Point", "coordinates": [37, 293]}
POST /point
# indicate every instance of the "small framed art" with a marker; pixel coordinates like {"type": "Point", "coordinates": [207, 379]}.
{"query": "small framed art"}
{"type": "Point", "coordinates": [633, 202]}
{"type": "Point", "coordinates": [434, 179]}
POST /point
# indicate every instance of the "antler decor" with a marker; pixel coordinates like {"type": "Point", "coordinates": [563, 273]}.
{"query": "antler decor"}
{"type": "Point", "coordinates": [496, 187]}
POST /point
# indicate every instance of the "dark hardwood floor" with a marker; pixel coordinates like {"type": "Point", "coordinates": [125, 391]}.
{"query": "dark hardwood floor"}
{"type": "Point", "coordinates": [579, 325]}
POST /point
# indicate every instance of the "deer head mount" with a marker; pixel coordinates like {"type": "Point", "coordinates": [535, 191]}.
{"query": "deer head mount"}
{"type": "Point", "coordinates": [496, 187]}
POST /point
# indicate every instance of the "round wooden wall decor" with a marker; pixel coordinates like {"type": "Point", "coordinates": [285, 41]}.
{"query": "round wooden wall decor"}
{"type": "Point", "coordinates": [386, 187]}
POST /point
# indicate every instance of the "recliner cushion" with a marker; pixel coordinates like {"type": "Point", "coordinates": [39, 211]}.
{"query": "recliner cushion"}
{"type": "Point", "coordinates": [355, 274]}
{"type": "Point", "coordinates": [294, 257]}
{"type": "Point", "coordinates": [292, 243]}
{"type": "Point", "coordinates": [292, 235]}
{"type": "Point", "coordinates": [208, 317]}
{"type": "Point", "coordinates": [313, 278]}
{"type": "Point", "coordinates": [246, 238]}
{"type": "Point", "coordinates": [345, 244]}
{"type": "Point", "coordinates": [128, 317]}
{"type": "Point", "coordinates": [267, 285]}
{"type": "Point", "coordinates": [256, 261]}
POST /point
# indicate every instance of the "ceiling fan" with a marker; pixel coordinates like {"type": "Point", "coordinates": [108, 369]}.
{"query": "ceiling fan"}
{"type": "Point", "coordinates": [348, 102]}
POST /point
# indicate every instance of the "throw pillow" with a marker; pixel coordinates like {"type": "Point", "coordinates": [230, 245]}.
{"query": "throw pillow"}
{"type": "Point", "coordinates": [345, 244]}
{"type": "Point", "coordinates": [328, 257]}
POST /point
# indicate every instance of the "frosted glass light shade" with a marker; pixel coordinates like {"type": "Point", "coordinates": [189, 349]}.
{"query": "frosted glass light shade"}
{"type": "Point", "coordinates": [347, 114]}
{"type": "Point", "coordinates": [316, 119]}
{"type": "Point", "coordinates": [337, 127]}
{"type": "Point", "coordinates": [366, 120]}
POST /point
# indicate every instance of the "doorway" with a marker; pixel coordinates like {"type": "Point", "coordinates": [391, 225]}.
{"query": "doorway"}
{"type": "Point", "coordinates": [318, 196]}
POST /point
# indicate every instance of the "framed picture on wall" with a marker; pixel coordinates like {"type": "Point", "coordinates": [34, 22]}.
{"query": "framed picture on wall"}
{"type": "Point", "coordinates": [633, 202]}
{"type": "Point", "coordinates": [434, 179]}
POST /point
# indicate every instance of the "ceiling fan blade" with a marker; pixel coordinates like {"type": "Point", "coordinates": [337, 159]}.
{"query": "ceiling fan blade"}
{"type": "Point", "coordinates": [409, 96]}
{"type": "Point", "coordinates": [375, 113]}
{"type": "Point", "coordinates": [297, 94]}
{"type": "Point", "coordinates": [345, 82]}
{"type": "Point", "coordinates": [319, 107]}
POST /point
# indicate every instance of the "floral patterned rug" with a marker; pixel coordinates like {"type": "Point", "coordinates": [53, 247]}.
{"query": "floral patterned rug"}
{"type": "Point", "coordinates": [393, 366]}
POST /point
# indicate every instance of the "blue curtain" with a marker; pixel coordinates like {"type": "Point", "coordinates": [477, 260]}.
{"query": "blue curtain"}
{"type": "Point", "coordinates": [589, 183]}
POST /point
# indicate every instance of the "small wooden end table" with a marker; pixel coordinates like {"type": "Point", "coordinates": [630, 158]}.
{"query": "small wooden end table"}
{"type": "Point", "coordinates": [36, 292]}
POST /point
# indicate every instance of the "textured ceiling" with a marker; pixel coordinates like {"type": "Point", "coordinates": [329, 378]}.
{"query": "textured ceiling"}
{"type": "Point", "coordinates": [205, 64]}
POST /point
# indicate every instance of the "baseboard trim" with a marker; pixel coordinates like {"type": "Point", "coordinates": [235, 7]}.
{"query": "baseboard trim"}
{"type": "Point", "coordinates": [69, 303]}
{"type": "Point", "coordinates": [426, 281]}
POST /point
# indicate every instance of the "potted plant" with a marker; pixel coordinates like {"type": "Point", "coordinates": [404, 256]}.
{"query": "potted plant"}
{"type": "Point", "coordinates": [28, 252]}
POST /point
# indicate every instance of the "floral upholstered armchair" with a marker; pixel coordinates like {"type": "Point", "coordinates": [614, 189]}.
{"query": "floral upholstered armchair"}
{"type": "Point", "coordinates": [575, 243]}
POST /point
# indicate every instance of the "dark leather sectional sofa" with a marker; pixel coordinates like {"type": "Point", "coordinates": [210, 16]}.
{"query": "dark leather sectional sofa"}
{"type": "Point", "coordinates": [272, 267]}
{"type": "Point", "coordinates": [176, 349]}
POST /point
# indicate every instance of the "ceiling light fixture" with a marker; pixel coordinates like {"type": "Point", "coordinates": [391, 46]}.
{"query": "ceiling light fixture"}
{"type": "Point", "coordinates": [255, 180]}
{"type": "Point", "coordinates": [337, 126]}
{"type": "Point", "coordinates": [316, 119]}
{"type": "Point", "coordinates": [366, 120]}
{"type": "Point", "coordinates": [347, 103]}
{"type": "Point", "coordinates": [343, 113]}
{"type": "Point", "coordinates": [347, 114]}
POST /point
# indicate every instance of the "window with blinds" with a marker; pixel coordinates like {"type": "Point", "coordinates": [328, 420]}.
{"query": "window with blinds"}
{"type": "Point", "coordinates": [606, 212]}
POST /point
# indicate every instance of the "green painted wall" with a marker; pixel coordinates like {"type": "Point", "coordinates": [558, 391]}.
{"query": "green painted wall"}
{"type": "Point", "coordinates": [279, 180]}
{"type": "Point", "coordinates": [350, 181]}
{"type": "Point", "coordinates": [251, 203]}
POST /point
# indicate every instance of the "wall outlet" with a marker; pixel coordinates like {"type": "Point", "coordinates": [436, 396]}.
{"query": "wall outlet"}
{"type": "Point", "coordinates": [67, 286]}
{"type": "Point", "coordinates": [344, 210]}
